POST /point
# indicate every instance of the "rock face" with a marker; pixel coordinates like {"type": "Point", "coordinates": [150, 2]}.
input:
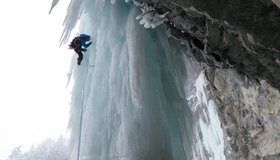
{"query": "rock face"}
{"type": "Point", "coordinates": [250, 114]}
{"type": "Point", "coordinates": [239, 41]}
{"type": "Point", "coordinates": [241, 34]}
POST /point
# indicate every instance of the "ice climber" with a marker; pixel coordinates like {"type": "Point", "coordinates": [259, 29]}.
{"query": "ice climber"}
{"type": "Point", "coordinates": [78, 43]}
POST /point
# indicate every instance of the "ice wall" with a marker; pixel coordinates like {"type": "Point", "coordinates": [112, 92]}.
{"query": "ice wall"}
{"type": "Point", "coordinates": [129, 99]}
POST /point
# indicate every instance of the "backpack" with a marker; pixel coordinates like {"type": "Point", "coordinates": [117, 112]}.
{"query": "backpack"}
{"type": "Point", "coordinates": [75, 43]}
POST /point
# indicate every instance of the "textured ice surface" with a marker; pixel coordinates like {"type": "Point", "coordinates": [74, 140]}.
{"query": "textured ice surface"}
{"type": "Point", "coordinates": [129, 95]}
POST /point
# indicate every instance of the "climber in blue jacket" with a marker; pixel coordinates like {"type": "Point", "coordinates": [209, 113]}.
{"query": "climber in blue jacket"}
{"type": "Point", "coordinates": [78, 43]}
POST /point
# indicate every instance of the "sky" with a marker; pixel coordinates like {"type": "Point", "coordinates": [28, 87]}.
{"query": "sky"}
{"type": "Point", "coordinates": [34, 102]}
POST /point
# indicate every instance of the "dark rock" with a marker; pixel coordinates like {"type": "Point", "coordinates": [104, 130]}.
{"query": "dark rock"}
{"type": "Point", "coordinates": [243, 34]}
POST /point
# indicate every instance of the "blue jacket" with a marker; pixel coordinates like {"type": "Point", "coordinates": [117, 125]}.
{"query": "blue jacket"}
{"type": "Point", "coordinates": [84, 38]}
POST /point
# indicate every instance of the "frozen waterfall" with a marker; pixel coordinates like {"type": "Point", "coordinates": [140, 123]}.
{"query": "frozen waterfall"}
{"type": "Point", "coordinates": [138, 94]}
